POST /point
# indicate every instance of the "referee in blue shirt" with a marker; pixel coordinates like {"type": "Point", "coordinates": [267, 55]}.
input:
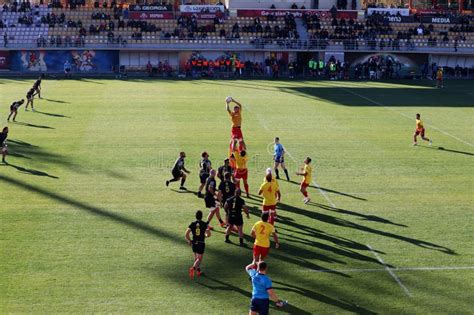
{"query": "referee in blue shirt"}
{"type": "Point", "coordinates": [262, 290]}
{"type": "Point", "coordinates": [279, 158]}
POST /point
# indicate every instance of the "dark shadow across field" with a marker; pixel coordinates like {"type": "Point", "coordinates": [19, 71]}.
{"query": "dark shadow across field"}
{"type": "Point", "coordinates": [31, 171]}
{"type": "Point", "coordinates": [447, 150]}
{"type": "Point", "coordinates": [55, 101]}
{"type": "Point", "coordinates": [33, 125]}
{"type": "Point", "coordinates": [417, 94]}
{"type": "Point", "coordinates": [52, 114]}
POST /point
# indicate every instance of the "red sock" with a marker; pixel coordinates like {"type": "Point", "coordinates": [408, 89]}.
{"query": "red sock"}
{"type": "Point", "coordinates": [305, 193]}
{"type": "Point", "coordinates": [246, 186]}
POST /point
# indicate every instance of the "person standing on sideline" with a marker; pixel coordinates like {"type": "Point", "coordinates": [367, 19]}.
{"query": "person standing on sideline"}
{"type": "Point", "coordinates": [199, 231]}
{"type": "Point", "coordinates": [262, 290]}
{"type": "Point", "coordinates": [279, 159]}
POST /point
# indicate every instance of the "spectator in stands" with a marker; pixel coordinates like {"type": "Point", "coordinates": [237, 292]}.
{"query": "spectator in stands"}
{"type": "Point", "coordinates": [5, 39]}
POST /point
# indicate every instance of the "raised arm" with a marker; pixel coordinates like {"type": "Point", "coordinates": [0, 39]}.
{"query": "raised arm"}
{"type": "Point", "coordinates": [237, 103]}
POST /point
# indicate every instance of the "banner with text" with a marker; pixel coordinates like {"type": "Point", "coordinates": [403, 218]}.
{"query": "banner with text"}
{"type": "Point", "coordinates": [151, 15]}
{"type": "Point", "coordinates": [148, 8]}
{"type": "Point", "coordinates": [439, 20]}
{"type": "Point", "coordinates": [188, 8]}
{"type": "Point", "coordinates": [402, 12]}
{"type": "Point", "coordinates": [296, 13]}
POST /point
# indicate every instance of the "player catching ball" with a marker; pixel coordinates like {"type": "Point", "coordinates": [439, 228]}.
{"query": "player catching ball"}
{"type": "Point", "coordinates": [420, 130]}
{"type": "Point", "coordinates": [306, 173]}
{"type": "Point", "coordinates": [199, 231]}
{"type": "Point", "coordinates": [236, 118]}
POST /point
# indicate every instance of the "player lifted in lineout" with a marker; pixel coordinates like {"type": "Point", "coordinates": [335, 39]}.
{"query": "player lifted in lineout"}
{"type": "Point", "coordinates": [307, 175]}
{"type": "Point", "coordinates": [241, 171]}
{"type": "Point", "coordinates": [179, 171]}
{"type": "Point", "coordinates": [236, 118]}
{"type": "Point", "coordinates": [419, 130]}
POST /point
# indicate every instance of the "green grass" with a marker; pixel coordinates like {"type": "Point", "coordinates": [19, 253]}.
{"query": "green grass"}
{"type": "Point", "coordinates": [87, 224]}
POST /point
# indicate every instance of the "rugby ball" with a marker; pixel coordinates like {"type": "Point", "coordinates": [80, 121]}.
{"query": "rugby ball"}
{"type": "Point", "coordinates": [228, 99]}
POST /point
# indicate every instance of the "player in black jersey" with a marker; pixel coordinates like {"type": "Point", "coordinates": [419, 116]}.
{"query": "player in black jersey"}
{"type": "Point", "coordinates": [30, 95]}
{"type": "Point", "coordinates": [204, 170]}
{"type": "Point", "coordinates": [3, 144]}
{"type": "Point", "coordinates": [210, 199]}
{"type": "Point", "coordinates": [234, 206]}
{"type": "Point", "coordinates": [179, 171]}
{"type": "Point", "coordinates": [37, 86]}
{"type": "Point", "coordinates": [14, 109]}
{"type": "Point", "coordinates": [226, 168]}
{"type": "Point", "coordinates": [225, 191]}
{"type": "Point", "coordinates": [199, 231]}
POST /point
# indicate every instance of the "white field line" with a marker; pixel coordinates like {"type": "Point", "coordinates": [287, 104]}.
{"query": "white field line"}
{"type": "Point", "coordinates": [355, 270]}
{"type": "Point", "coordinates": [390, 271]}
{"type": "Point", "coordinates": [404, 115]}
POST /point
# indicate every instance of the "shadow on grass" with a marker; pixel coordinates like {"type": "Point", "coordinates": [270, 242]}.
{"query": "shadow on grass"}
{"type": "Point", "coordinates": [55, 101]}
{"type": "Point", "coordinates": [347, 306]}
{"type": "Point", "coordinates": [348, 224]}
{"type": "Point", "coordinates": [332, 191]}
{"type": "Point", "coordinates": [33, 126]}
{"type": "Point", "coordinates": [52, 114]}
{"type": "Point", "coordinates": [31, 171]}
{"type": "Point", "coordinates": [446, 150]}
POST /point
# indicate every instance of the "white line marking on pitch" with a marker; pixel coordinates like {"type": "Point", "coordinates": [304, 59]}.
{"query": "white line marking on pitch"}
{"type": "Point", "coordinates": [394, 269]}
{"type": "Point", "coordinates": [390, 271]}
{"type": "Point", "coordinates": [404, 115]}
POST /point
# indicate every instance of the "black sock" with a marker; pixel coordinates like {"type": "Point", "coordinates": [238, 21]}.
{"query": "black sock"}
{"type": "Point", "coordinates": [227, 237]}
{"type": "Point", "coordinates": [183, 180]}
{"type": "Point", "coordinates": [286, 173]}
{"type": "Point", "coordinates": [173, 180]}
{"type": "Point", "coordinates": [276, 173]}
{"type": "Point", "coordinates": [241, 240]}
{"type": "Point", "coordinates": [220, 221]}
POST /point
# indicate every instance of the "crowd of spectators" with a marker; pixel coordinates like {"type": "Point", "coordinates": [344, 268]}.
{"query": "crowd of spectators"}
{"type": "Point", "coordinates": [378, 67]}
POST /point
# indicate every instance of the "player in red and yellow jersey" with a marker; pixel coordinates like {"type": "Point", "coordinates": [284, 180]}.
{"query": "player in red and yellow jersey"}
{"type": "Point", "coordinates": [419, 130]}
{"type": "Point", "coordinates": [439, 78]}
{"type": "Point", "coordinates": [241, 171]}
{"type": "Point", "coordinates": [271, 195]}
{"type": "Point", "coordinates": [307, 177]}
{"type": "Point", "coordinates": [236, 118]}
{"type": "Point", "coordinates": [261, 231]}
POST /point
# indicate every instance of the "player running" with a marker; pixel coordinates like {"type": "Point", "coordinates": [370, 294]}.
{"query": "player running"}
{"type": "Point", "coordinates": [271, 195]}
{"type": "Point", "coordinates": [306, 173]}
{"type": "Point", "coordinates": [37, 86]}
{"type": "Point", "coordinates": [261, 231]}
{"type": "Point", "coordinates": [262, 290]}
{"type": "Point", "coordinates": [279, 159]}
{"type": "Point", "coordinates": [236, 118]}
{"type": "Point", "coordinates": [199, 231]}
{"type": "Point", "coordinates": [234, 206]}
{"type": "Point", "coordinates": [420, 130]}
{"type": "Point", "coordinates": [241, 171]}
{"type": "Point", "coordinates": [204, 170]}
{"type": "Point", "coordinates": [179, 171]}
{"type": "Point", "coordinates": [14, 109]}
{"type": "Point", "coordinates": [3, 144]}
{"type": "Point", "coordinates": [30, 95]}
{"type": "Point", "coordinates": [210, 199]}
